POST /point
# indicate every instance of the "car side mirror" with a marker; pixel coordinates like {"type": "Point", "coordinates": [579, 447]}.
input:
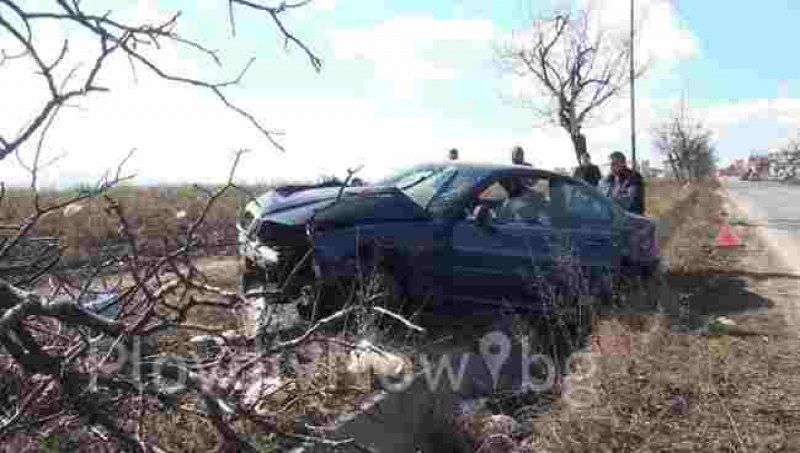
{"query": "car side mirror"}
{"type": "Point", "coordinates": [482, 215]}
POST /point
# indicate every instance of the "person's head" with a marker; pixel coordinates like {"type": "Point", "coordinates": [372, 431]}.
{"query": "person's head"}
{"type": "Point", "coordinates": [517, 155]}
{"type": "Point", "coordinates": [618, 162]}
{"type": "Point", "coordinates": [453, 154]}
{"type": "Point", "coordinates": [586, 159]}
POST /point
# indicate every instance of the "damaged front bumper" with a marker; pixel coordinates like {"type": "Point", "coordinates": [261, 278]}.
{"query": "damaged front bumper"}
{"type": "Point", "coordinates": [259, 256]}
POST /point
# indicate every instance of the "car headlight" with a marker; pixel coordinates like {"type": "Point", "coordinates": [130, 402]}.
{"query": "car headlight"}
{"type": "Point", "coordinates": [246, 219]}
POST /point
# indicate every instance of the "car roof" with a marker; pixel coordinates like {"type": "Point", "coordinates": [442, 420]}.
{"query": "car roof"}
{"type": "Point", "coordinates": [490, 166]}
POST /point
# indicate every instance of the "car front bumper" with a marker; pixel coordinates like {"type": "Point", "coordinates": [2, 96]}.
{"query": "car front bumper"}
{"type": "Point", "coordinates": [257, 255]}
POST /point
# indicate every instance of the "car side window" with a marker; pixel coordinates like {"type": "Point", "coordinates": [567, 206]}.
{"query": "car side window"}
{"type": "Point", "coordinates": [454, 192]}
{"type": "Point", "coordinates": [528, 201]}
{"type": "Point", "coordinates": [579, 202]}
{"type": "Point", "coordinates": [495, 193]}
{"type": "Point", "coordinates": [540, 187]}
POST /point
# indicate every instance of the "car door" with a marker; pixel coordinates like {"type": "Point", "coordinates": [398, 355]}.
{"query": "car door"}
{"type": "Point", "coordinates": [494, 262]}
{"type": "Point", "coordinates": [585, 227]}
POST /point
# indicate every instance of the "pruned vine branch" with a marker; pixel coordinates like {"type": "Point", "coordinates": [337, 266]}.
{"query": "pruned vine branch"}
{"type": "Point", "coordinates": [136, 41]}
{"type": "Point", "coordinates": [66, 365]}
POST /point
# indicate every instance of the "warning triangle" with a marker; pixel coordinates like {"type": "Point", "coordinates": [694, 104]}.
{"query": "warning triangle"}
{"type": "Point", "coordinates": [726, 237]}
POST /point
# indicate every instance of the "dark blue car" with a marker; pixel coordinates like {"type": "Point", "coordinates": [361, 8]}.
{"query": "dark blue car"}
{"type": "Point", "coordinates": [459, 236]}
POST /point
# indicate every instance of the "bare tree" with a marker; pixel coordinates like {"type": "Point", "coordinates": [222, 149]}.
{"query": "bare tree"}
{"type": "Point", "coordinates": [575, 66]}
{"type": "Point", "coordinates": [785, 163]}
{"type": "Point", "coordinates": [687, 145]}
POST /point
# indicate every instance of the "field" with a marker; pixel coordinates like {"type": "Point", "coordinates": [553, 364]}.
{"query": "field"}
{"type": "Point", "coordinates": [155, 214]}
{"type": "Point", "coordinates": [633, 408]}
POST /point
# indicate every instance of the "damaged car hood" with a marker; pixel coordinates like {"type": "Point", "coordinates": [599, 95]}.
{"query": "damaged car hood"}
{"type": "Point", "coordinates": [356, 205]}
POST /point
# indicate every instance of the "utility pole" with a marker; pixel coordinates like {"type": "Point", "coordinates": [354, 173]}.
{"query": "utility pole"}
{"type": "Point", "coordinates": [633, 97]}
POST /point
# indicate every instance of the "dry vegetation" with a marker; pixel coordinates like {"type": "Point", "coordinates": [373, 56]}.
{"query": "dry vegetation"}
{"type": "Point", "coordinates": [732, 389]}
{"type": "Point", "coordinates": [660, 195]}
{"type": "Point", "coordinates": [157, 213]}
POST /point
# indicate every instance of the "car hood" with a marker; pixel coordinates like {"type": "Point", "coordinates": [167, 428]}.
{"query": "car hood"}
{"type": "Point", "coordinates": [291, 197]}
{"type": "Point", "coordinates": [295, 206]}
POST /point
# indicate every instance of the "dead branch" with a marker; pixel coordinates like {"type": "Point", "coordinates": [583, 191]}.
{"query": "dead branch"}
{"type": "Point", "coordinates": [134, 41]}
{"type": "Point", "coordinates": [77, 360]}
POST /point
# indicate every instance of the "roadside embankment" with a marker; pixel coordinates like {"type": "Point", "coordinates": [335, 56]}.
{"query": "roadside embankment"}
{"type": "Point", "coordinates": [731, 387]}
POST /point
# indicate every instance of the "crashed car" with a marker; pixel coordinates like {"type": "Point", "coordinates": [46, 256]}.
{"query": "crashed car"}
{"type": "Point", "coordinates": [462, 236]}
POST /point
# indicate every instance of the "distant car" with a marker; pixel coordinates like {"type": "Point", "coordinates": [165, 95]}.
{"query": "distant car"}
{"type": "Point", "coordinates": [465, 235]}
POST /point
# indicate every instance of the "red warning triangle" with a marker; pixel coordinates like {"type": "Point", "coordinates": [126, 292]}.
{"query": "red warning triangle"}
{"type": "Point", "coordinates": [726, 237]}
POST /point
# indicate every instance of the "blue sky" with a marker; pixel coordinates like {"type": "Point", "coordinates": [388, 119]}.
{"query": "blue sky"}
{"type": "Point", "coordinates": [745, 51]}
{"type": "Point", "coordinates": [403, 81]}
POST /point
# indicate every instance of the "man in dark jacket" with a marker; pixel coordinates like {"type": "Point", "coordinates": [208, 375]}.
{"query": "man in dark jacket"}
{"type": "Point", "coordinates": [625, 186]}
{"type": "Point", "coordinates": [453, 154]}
{"type": "Point", "coordinates": [588, 171]}
{"type": "Point", "coordinates": [518, 157]}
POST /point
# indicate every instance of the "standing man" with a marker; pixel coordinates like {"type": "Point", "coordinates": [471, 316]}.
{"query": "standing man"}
{"type": "Point", "coordinates": [453, 154]}
{"type": "Point", "coordinates": [625, 186]}
{"type": "Point", "coordinates": [518, 157]}
{"type": "Point", "coordinates": [588, 171]}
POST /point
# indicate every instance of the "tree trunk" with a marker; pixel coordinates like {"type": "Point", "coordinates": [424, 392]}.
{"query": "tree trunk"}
{"type": "Point", "coordinates": [676, 167]}
{"type": "Point", "coordinates": [579, 144]}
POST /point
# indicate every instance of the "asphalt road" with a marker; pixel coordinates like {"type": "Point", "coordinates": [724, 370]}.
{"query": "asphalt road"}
{"type": "Point", "coordinates": [774, 205]}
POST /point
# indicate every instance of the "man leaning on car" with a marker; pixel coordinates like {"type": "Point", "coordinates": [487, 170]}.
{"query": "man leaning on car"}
{"type": "Point", "coordinates": [624, 185]}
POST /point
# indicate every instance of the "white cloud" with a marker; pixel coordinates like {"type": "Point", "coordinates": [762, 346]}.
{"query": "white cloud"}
{"type": "Point", "coordinates": [407, 50]}
{"type": "Point", "coordinates": [323, 5]}
{"type": "Point", "coordinates": [661, 36]}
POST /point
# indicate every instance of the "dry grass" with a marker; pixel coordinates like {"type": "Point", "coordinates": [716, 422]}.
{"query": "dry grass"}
{"type": "Point", "coordinates": [660, 195]}
{"type": "Point", "coordinates": [679, 392]}
{"type": "Point", "coordinates": [320, 389]}
{"type": "Point", "coordinates": [735, 391]}
{"type": "Point", "coordinates": [155, 215]}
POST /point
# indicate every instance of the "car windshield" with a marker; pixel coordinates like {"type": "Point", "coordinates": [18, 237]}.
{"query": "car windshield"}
{"type": "Point", "coordinates": [427, 186]}
{"type": "Point", "coordinates": [420, 184]}
{"type": "Point", "coordinates": [403, 177]}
